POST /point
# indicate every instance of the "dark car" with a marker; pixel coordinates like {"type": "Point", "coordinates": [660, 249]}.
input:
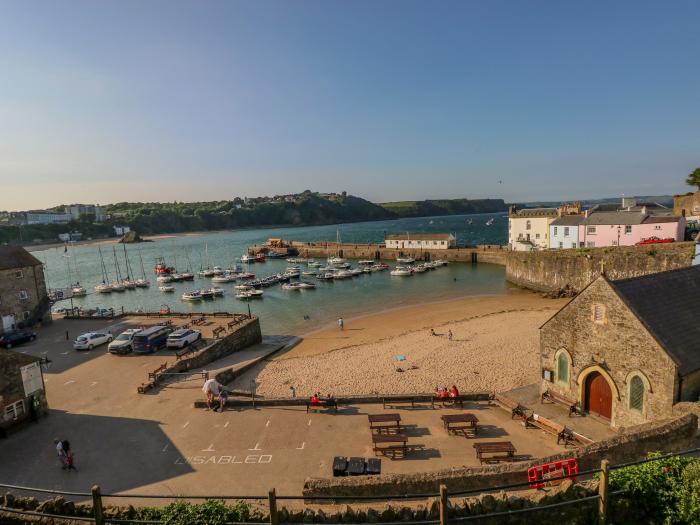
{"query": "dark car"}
{"type": "Point", "coordinates": [10, 339]}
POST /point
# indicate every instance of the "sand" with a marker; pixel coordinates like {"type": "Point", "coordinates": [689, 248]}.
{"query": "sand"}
{"type": "Point", "coordinates": [495, 347]}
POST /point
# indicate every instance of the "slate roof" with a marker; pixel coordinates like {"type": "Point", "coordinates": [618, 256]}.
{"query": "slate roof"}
{"type": "Point", "coordinates": [659, 218]}
{"type": "Point", "coordinates": [568, 220]}
{"type": "Point", "coordinates": [421, 237]}
{"type": "Point", "coordinates": [14, 257]}
{"type": "Point", "coordinates": [668, 303]}
{"type": "Point", "coordinates": [537, 212]}
{"type": "Point", "coordinates": [614, 217]}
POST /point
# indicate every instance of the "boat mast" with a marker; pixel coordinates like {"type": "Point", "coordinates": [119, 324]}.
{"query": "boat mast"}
{"type": "Point", "coordinates": [65, 254]}
{"type": "Point", "coordinates": [128, 266]}
{"type": "Point", "coordinates": [143, 271]}
{"type": "Point", "coordinates": [116, 265]}
{"type": "Point", "coordinates": [104, 268]}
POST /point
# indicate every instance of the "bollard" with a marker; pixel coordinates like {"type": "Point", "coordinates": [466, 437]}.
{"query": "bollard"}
{"type": "Point", "coordinates": [272, 500]}
{"type": "Point", "coordinates": [603, 491]}
{"type": "Point", "coordinates": [97, 511]}
{"type": "Point", "coordinates": [67, 337]}
{"type": "Point", "coordinates": [443, 505]}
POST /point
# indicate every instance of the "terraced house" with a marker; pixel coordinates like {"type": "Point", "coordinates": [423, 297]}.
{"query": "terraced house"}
{"type": "Point", "coordinates": [23, 295]}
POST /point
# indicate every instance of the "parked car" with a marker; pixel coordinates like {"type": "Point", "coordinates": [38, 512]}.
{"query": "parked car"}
{"type": "Point", "coordinates": [151, 339]}
{"type": "Point", "coordinates": [655, 240]}
{"type": "Point", "coordinates": [123, 343]}
{"type": "Point", "coordinates": [17, 337]}
{"type": "Point", "coordinates": [183, 337]}
{"type": "Point", "coordinates": [91, 340]}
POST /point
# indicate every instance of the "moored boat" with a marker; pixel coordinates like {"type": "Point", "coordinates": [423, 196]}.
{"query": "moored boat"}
{"type": "Point", "coordinates": [194, 295]}
{"type": "Point", "coordinates": [401, 271]}
{"type": "Point", "coordinates": [166, 288]}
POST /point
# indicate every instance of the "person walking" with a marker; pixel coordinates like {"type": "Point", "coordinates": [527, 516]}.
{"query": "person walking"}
{"type": "Point", "coordinates": [341, 323]}
{"type": "Point", "coordinates": [449, 335]}
{"type": "Point", "coordinates": [61, 453]}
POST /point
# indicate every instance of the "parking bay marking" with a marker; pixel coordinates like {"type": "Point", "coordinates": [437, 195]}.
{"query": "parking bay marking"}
{"type": "Point", "coordinates": [69, 382]}
{"type": "Point", "coordinates": [303, 443]}
{"type": "Point", "coordinates": [257, 447]}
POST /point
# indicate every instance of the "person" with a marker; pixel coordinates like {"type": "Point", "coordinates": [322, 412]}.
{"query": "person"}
{"type": "Point", "coordinates": [211, 389]}
{"type": "Point", "coordinates": [223, 397]}
{"type": "Point", "coordinates": [341, 323]}
{"type": "Point", "coordinates": [70, 461]}
{"type": "Point", "coordinates": [432, 332]}
{"type": "Point", "coordinates": [454, 392]}
{"type": "Point", "coordinates": [315, 399]}
{"type": "Point", "coordinates": [60, 453]}
{"type": "Point", "coordinates": [449, 335]}
{"type": "Point", "coordinates": [441, 392]}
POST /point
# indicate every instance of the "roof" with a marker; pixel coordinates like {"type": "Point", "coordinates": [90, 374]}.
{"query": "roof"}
{"type": "Point", "coordinates": [668, 303]}
{"type": "Point", "coordinates": [420, 237]}
{"type": "Point", "coordinates": [17, 357]}
{"type": "Point", "coordinates": [660, 218]}
{"type": "Point", "coordinates": [13, 257]}
{"type": "Point", "coordinates": [568, 220]}
{"type": "Point", "coordinates": [614, 217]}
{"type": "Point", "coordinates": [537, 212]}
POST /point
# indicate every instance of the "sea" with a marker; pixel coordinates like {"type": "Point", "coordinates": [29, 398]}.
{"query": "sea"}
{"type": "Point", "coordinates": [281, 312]}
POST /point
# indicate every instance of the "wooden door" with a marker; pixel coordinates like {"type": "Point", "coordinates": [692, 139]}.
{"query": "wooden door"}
{"type": "Point", "coordinates": [598, 395]}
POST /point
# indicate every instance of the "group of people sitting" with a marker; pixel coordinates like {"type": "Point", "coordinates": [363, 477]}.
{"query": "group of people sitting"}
{"type": "Point", "coordinates": [444, 393]}
{"type": "Point", "coordinates": [316, 399]}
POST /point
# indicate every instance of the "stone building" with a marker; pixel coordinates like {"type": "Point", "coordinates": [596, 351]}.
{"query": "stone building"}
{"type": "Point", "coordinates": [687, 206]}
{"type": "Point", "coordinates": [627, 350]}
{"type": "Point", "coordinates": [23, 295]}
{"type": "Point", "coordinates": [420, 241]}
{"type": "Point", "coordinates": [22, 394]}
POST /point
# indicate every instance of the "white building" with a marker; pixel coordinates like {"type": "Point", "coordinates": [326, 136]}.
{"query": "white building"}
{"type": "Point", "coordinates": [564, 232]}
{"type": "Point", "coordinates": [528, 229]}
{"type": "Point", "coordinates": [76, 210]}
{"type": "Point", "coordinates": [421, 241]}
{"type": "Point", "coordinates": [121, 230]}
{"type": "Point", "coordinates": [47, 217]}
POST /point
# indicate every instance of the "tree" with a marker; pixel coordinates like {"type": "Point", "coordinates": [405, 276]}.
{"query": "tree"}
{"type": "Point", "coordinates": [694, 178]}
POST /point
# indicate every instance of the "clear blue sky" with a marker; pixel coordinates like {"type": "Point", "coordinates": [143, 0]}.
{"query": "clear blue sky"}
{"type": "Point", "coordinates": [131, 100]}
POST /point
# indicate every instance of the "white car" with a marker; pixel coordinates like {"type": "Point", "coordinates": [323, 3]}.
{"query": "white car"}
{"type": "Point", "coordinates": [183, 337]}
{"type": "Point", "coordinates": [91, 340]}
{"type": "Point", "coordinates": [123, 342]}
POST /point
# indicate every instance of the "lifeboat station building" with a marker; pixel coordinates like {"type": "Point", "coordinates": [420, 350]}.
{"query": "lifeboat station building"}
{"type": "Point", "coordinates": [626, 351]}
{"type": "Point", "coordinates": [421, 241]}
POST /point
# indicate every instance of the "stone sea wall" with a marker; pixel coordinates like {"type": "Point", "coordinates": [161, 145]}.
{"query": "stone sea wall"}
{"type": "Point", "coordinates": [569, 271]}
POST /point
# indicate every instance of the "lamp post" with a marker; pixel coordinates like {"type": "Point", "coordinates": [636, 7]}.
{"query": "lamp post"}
{"type": "Point", "coordinates": [618, 235]}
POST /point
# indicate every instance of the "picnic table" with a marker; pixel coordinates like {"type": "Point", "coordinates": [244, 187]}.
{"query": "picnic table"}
{"type": "Point", "coordinates": [393, 445]}
{"type": "Point", "coordinates": [495, 451]}
{"type": "Point", "coordinates": [384, 422]}
{"type": "Point", "coordinates": [465, 424]}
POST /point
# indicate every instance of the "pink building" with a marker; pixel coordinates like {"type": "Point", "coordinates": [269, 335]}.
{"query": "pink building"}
{"type": "Point", "coordinates": [627, 228]}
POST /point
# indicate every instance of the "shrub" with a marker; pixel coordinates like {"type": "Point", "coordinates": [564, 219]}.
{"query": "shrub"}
{"type": "Point", "coordinates": [211, 512]}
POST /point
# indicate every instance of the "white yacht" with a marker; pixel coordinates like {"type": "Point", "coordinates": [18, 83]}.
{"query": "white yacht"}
{"type": "Point", "coordinates": [164, 278]}
{"type": "Point", "coordinates": [191, 296]}
{"type": "Point", "coordinates": [405, 260]}
{"type": "Point", "coordinates": [247, 258]}
{"type": "Point", "coordinates": [166, 288]}
{"type": "Point", "coordinates": [142, 283]}
{"type": "Point", "coordinates": [401, 271]}
{"type": "Point", "coordinates": [78, 291]}
{"type": "Point", "coordinates": [103, 288]}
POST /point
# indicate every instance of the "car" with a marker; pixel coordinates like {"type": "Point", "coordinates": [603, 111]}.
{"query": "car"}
{"type": "Point", "coordinates": [183, 337]}
{"type": "Point", "coordinates": [123, 343]}
{"type": "Point", "coordinates": [655, 240]}
{"type": "Point", "coordinates": [91, 340]}
{"type": "Point", "coordinates": [17, 337]}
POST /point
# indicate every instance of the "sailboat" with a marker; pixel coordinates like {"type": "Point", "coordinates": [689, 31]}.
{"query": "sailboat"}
{"type": "Point", "coordinates": [128, 283]}
{"type": "Point", "coordinates": [118, 285]}
{"type": "Point", "coordinates": [337, 260]}
{"type": "Point", "coordinates": [489, 222]}
{"type": "Point", "coordinates": [104, 287]}
{"type": "Point", "coordinates": [142, 282]}
{"type": "Point", "coordinates": [188, 275]}
{"type": "Point", "coordinates": [76, 289]}
{"type": "Point", "coordinates": [206, 272]}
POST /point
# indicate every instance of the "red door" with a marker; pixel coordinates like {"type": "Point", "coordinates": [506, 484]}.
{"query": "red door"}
{"type": "Point", "coordinates": [598, 395]}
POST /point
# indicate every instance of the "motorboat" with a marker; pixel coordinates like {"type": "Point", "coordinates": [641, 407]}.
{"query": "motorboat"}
{"type": "Point", "coordinates": [401, 271]}
{"type": "Point", "coordinates": [249, 294]}
{"type": "Point", "coordinates": [367, 269]}
{"type": "Point", "coordinates": [291, 286]}
{"type": "Point", "coordinates": [206, 294]}
{"type": "Point", "coordinates": [470, 222]}
{"type": "Point", "coordinates": [355, 271]}
{"type": "Point", "coordinates": [218, 292]}
{"type": "Point", "coordinates": [103, 288]}
{"type": "Point", "coordinates": [245, 275]}
{"type": "Point", "coordinates": [275, 255]}
{"type": "Point", "coordinates": [142, 283]}
{"type": "Point", "coordinates": [315, 264]}
{"type": "Point", "coordinates": [167, 288]}
{"type": "Point", "coordinates": [419, 268]}
{"type": "Point", "coordinates": [247, 258]}
{"type": "Point", "coordinates": [298, 260]}
{"type": "Point", "coordinates": [206, 273]}
{"type": "Point", "coordinates": [164, 278]}
{"type": "Point", "coordinates": [293, 271]}
{"type": "Point", "coordinates": [192, 296]}
{"type": "Point", "coordinates": [242, 287]}
{"type": "Point", "coordinates": [309, 273]}
{"type": "Point", "coordinates": [78, 291]}
{"type": "Point", "coordinates": [365, 262]}
{"type": "Point", "coordinates": [405, 260]}
{"type": "Point", "coordinates": [489, 222]}
{"type": "Point", "coordinates": [379, 267]}
{"type": "Point", "coordinates": [217, 270]}
{"type": "Point", "coordinates": [187, 276]}
{"type": "Point", "coordinates": [336, 261]}
{"type": "Point", "coordinates": [325, 276]}
{"type": "Point", "coordinates": [342, 274]}
{"type": "Point", "coordinates": [223, 278]}
{"type": "Point", "coordinates": [260, 257]}
{"type": "Point", "coordinates": [305, 285]}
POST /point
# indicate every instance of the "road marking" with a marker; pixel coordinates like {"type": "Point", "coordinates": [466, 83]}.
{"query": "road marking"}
{"type": "Point", "coordinates": [69, 382]}
{"type": "Point", "coordinates": [165, 447]}
{"type": "Point", "coordinates": [185, 425]}
{"type": "Point", "coordinates": [303, 443]}
{"type": "Point", "coordinates": [268, 423]}
{"type": "Point", "coordinates": [93, 384]}
{"type": "Point", "coordinates": [210, 448]}
{"type": "Point", "coordinates": [226, 424]}
{"type": "Point", "coordinates": [64, 353]}
{"type": "Point", "coordinates": [257, 447]}
{"type": "Point", "coordinates": [309, 422]}
{"type": "Point", "coordinates": [44, 353]}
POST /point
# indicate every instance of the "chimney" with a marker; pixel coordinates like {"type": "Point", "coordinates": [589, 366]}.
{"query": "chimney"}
{"type": "Point", "coordinates": [644, 210]}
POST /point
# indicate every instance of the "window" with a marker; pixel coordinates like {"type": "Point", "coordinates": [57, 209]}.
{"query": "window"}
{"type": "Point", "coordinates": [636, 401]}
{"type": "Point", "coordinates": [26, 315]}
{"type": "Point", "coordinates": [566, 231]}
{"type": "Point", "coordinates": [590, 230]}
{"type": "Point", "coordinates": [590, 244]}
{"type": "Point", "coordinates": [561, 245]}
{"type": "Point", "coordinates": [657, 227]}
{"type": "Point", "coordinates": [555, 230]}
{"type": "Point", "coordinates": [573, 245]}
{"type": "Point", "coordinates": [599, 314]}
{"type": "Point", "coordinates": [537, 236]}
{"type": "Point", "coordinates": [528, 225]}
{"type": "Point", "coordinates": [14, 410]}
{"type": "Point", "coordinates": [563, 364]}
{"type": "Point", "coordinates": [628, 229]}
{"type": "Point", "coordinates": [23, 295]}
{"type": "Point", "coordinates": [19, 274]}
{"type": "Point", "coordinates": [614, 243]}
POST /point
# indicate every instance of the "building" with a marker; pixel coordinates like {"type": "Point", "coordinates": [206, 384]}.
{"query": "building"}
{"type": "Point", "coordinates": [78, 210]}
{"type": "Point", "coordinates": [528, 229]}
{"type": "Point", "coordinates": [626, 351]}
{"type": "Point", "coordinates": [23, 295]}
{"type": "Point", "coordinates": [627, 228]}
{"type": "Point", "coordinates": [421, 241]}
{"type": "Point", "coordinates": [22, 393]}
{"type": "Point", "coordinates": [121, 230]}
{"type": "Point", "coordinates": [687, 206]}
{"type": "Point", "coordinates": [564, 232]}
{"type": "Point", "coordinates": [47, 217]}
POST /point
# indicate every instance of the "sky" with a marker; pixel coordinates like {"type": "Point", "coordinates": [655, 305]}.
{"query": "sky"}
{"type": "Point", "coordinates": [126, 100]}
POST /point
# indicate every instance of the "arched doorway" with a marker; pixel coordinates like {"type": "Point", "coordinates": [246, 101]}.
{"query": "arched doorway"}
{"type": "Point", "coordinates": [598, 395]}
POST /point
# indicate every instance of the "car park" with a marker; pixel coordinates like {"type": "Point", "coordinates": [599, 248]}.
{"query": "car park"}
{"type": "Point", "coordinates": [91, 340]}
{"type": "Point", "coordinates": [183, 337]}
{"type": "Point", "coordinates": [151, 339]}
{"type": "Point", "coordinates": [124, 342]}
{"type": "Point", "coordinates": [16, 337]}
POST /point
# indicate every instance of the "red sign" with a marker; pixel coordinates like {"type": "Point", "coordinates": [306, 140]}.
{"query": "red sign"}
{"type": "Point", "coordinates": [540, 475]}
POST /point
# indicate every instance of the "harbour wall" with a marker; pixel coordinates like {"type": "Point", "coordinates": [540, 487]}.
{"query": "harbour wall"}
{"type": "Point", "coordinates": [570, 271]}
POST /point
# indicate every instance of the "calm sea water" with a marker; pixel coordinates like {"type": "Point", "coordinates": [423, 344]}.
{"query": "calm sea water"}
{"type": "Point", "coordinates": [283, 311]}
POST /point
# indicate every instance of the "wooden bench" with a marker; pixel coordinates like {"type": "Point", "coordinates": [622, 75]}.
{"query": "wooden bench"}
{"type": "Point", "coordinates": [216, 332]}
{"type": "Point", "coordinates": [448, 401]}
{"type": "Point", "coordinates": [396, 401]}
{"type": "Point", "coordinates": [325, 403]}
{"type": "Point", "coordinates": [559, 399]}
{"type": "Point", "coordinates": [182, 353]}
{"type": "Point", "coordinates": [390, 445]}
{"type": "Point", "coordinates": [563, 433]}
{"type": "Point", "coordinates": [515, 408]}
{"type": "Point", "coordinates": [153, 375]}
{"type": "Point", "coordinates": [384, 422]}
{"type": "Point", "coordinates": [495, 451]}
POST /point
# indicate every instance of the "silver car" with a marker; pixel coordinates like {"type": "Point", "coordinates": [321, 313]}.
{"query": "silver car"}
{"type": "Point", "coordinates": [123, 343]}
{"type": "Point", "coordinates": [91, 340]}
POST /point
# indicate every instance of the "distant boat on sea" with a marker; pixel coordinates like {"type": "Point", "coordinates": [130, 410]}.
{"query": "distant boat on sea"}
{"type": "Point", "coordinates": [489, 222]}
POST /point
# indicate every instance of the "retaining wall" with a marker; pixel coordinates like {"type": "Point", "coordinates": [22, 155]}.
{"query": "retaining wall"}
{"type": "Point", "coordinates": [572, 270]}
{"type": "Point", "coordinates": [665, 436]}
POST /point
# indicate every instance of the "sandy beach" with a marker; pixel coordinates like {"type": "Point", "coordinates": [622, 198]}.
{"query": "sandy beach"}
{"type": "Point", "coordinates": [494, 348]}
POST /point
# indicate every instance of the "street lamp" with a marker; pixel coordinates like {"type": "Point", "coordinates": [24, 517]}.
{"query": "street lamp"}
{"type": "Point", "coordinates": [618, 234]}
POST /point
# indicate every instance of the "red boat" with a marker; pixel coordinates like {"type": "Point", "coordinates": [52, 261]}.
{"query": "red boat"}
{"type": "Point", "coordinates": [655, 240]}
{"type": "Point", "coordinates": [161, 268]}
{"type": "Point", "coordinates": [260, 257]}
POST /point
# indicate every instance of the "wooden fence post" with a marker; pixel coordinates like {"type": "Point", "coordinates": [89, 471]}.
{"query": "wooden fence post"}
{"type": "Point", "coordinates": [443, 505]}
{"type": "Point", "coordinates": [603, 491]}
{"type": "Point", "coordinates": [272, 500]}
{"type": "Point", "coordinates": [97, 511]}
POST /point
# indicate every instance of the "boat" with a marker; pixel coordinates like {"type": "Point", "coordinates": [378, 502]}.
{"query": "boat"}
{"type": "Point", "coordinates": [355, 271]}
{"type": "Point", "coordinates": [217, 270]}
{"type": "Point", "coordinates": [103, 288]}
{"type": "Point", "coordinates": [315, 264]}
{"type": "Point", "coordinates": [166, 288]}
{"type": "Point", "coordinates": [365, 262]}
{"type": "Point", "coordinates": [249, 294]}
{"type": "Point", "coordinates": [129, 284]}
{"type": "Point", "coordinates": [342, 274]}
{"type": "Point", "coordinates": [379, 267]}
{"type": "Point", "coordinates": [247, 258]}
{"type": "Point", "coordinates": [420, 268]}
{"type": "Point", "coordinates": [218, 292]}
{"type": "Point", "coordinates": [401, 271]}
{"type": "Point", "coordinates": [309, 273]}
{"type": "Point", "coordinates": [291, 286]}
{"type": "Point", "coordinates": [470, 222]}
{"type": "Point", "coordinates": [325, 276]}
{"type": "Point", "coordinates": [161, 267]}
{"type": "Point", "coordinates": [78, 291]}
{"type": "Point", "coordinates": [367, 269]}
{"type": "Point", "coordinates": [164, 278]}
{"type": "Point", "coordinates": [260, 257]}
{"type": "Point", "coordinates": [142, 282]}
{"type": "Point", "coordinates": [405, 260]}
{"type": "Point", "coordinates": [275, 255]}
{"type": "Point", "coordinates": [224, 278]}
{"type": "Point", "coordinates": [117, 286]}
{"type": "Point", "coordinates": [305, 285]}
{"type": "Point", "coordinates": [293, 271]}
{"type": "Point", "coordinates": [489, 222]}
{"type": "Point", "coordinates": [191, 296]}
{"type": "Point", "coordinates": [206, 294]}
